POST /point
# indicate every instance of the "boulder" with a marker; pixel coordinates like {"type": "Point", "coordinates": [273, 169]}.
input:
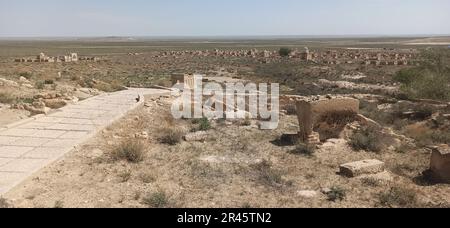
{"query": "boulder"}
{"type": "Point", "coordinates": [308, 194]}
{"type": "Point", "coordinates": [55, 103]}
{"type": "Point", "coordinates": [24, 80]}
{"type": "Point", "coordinates": [359, 168]}
{"type": "Point", "coordinates": [196, 136]}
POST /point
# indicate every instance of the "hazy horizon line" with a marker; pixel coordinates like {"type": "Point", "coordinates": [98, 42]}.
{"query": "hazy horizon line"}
{"type": "Point", "coordinates": [229, 36]}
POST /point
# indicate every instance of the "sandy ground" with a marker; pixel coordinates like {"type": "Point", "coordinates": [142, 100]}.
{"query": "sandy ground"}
{"type": "Point", "coordinates": [8, 116]}
{"type": "Point", "coordinates": [221, 172]}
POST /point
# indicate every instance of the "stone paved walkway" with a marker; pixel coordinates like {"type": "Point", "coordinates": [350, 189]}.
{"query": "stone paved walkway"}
{"type": "Point", "coordinates": [30, 145]}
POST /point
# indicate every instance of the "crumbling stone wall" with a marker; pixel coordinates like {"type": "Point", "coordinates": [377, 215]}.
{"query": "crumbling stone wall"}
{"type": "Point", "coordinates": [310, 112]}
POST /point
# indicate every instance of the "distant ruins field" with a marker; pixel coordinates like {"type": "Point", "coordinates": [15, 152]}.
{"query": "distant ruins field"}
{"type": "Point", "coordinates": [365, 122]}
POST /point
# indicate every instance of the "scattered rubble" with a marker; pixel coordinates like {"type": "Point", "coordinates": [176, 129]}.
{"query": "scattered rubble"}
{"type": "Point", "coordinates": [196, 136]}
{"type": "Point", "coordinates": [8, 83]}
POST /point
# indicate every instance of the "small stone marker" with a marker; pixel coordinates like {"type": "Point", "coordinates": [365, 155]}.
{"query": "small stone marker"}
{"type": "Point", "coordinates": [355, 169]}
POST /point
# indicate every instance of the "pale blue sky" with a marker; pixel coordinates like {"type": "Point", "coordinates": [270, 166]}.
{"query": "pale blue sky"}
{"type": "Point", "coordinates": [222, 17]}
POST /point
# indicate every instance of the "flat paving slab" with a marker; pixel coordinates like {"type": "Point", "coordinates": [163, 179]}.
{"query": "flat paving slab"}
{"type": "Point", "coordinates": [28, 147]}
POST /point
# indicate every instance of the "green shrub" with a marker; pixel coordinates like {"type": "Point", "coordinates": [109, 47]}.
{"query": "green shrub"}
{"type": "Point", "coordinates": [430, 80]}
{"type": "Point", "coordinates": [407, 76]}
{"type": "Point", "coordinates": [336, 194]}
{"type": "Point", "coordinates": [284, 52]}
{"type": "Point", "coordinates": [203, 124]}
{"type": "Point", "coordinates": [367, 139]}
{"type": "Point", "coordinates": [156, 200]}
{"type": "Point", "coordinates": [171, 137]}
{"type": "Point", "coordinates": [132, 151]}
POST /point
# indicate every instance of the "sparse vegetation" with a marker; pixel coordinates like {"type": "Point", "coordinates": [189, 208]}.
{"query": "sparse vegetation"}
{"type": "Point", "coordinates": [304, 149]}
{"type": "Point", "coordinates": [156, 200]}
{"type": "Point", "coordinates": [6, 98]}
{"type": "Point", "coordinates": [399, 197]}
{"type": "Point", "coordinates": [130, 150]}
{"type": "Point", "coordinates": [367, 139]}
{"type": "Point", "coordinates": [171, 136]}
{"type": "Point", "coordinates": [147, 178]}
{"type": "Point", "coordinates": [267, 175]}
{"type": "Point", "coordinates": [203, 124]}
{"type": "Point", "coordinates": [39, 85]}
{"type": "Point", "coordinates": [4, 203]}
{"type": "Point", "coordinates": [430, 80]}
{"type": "Point", "coordinates": [27, 75]}
{"type": "Point", "coordinates": [125, 176]}
{"type": "Point", "coordinates": [284, 52]}
{"type": "Point", "coordinates": [59, 204]}
{"type": "Point", "coordinates": [370, 182]}
{"type": "Point", "coordinates": [336, 194]}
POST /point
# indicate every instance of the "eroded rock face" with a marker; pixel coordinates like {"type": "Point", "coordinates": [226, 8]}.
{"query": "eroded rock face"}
{"type": "Point", "coordinates": [359, 168]}
{"type": "Point", "coordinates": [440, 163]}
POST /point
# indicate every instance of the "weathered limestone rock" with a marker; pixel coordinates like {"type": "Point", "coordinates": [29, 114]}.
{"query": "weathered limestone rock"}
{"type": "Point", "coordinates": [440, 163]}
{"type": "Point", "coordinates": [55, 103]}
{"type": "Point", "coordinates": [309, 112]}
{"type": "Point", "coordinates": [5, 82]}
{"type": "Point", "coordinates": [308, 194]}
{"type": "Point", "coordinates": [23, 80]}
{"type": "Point", "coordinates": [355, 169]}
{"type": "Point", "coordinates": [36, 110]}
{"type": "Point", "coordinates": [196, 136]}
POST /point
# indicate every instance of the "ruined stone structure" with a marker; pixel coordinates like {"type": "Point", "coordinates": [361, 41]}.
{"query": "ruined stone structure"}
{"type": "Point", "coordinates": [309, 112]}
{"type": "Point", "coordinates": [440, 163]}
{"type": "Point", "coordinates": [375, 57]}
{"type": "Point", "coordinates": [43, 58]}
{"type": "Point", "coordinates": [189, 80]}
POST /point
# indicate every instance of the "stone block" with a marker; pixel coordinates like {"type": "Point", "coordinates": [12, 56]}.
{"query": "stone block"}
{"type": "Point", "coordinates": [358, 168]}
